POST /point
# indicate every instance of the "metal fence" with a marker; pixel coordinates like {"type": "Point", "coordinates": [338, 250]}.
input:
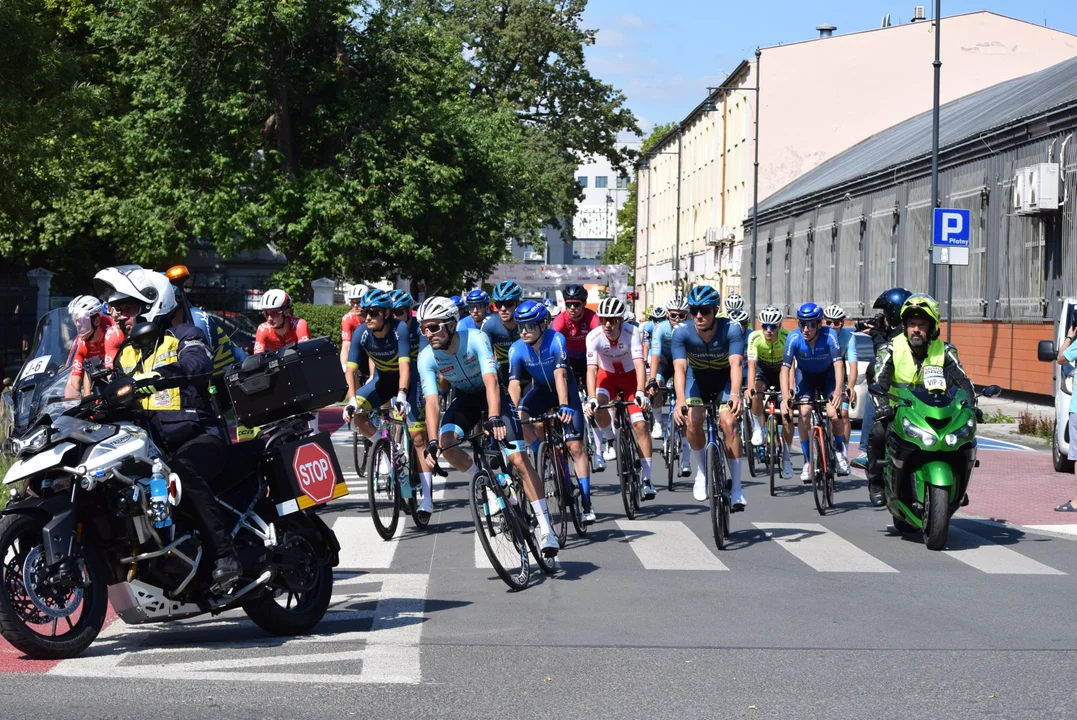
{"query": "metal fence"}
{"type": "Point", "coordinates": [18, 317]}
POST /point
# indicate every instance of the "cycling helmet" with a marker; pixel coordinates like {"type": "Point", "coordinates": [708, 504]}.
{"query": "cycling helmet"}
{"type": "Point", "coordinates": [530, 311]}
{"type": "Point", "coordinates": [629, 316]}
{"type": "Point", "coordinates": [810, 311]}
{"type": "Point", "coordinates": [834, 312]}
{"type": "Point", "coordinates": [658, 314]}
{"type": "Point", "coordinates": [508, 290]}
{"type": "Point", "coordinates": [703, 296]}
{"type": "Point", "coordinates": [890, 302]}
{"type": "Point", "coordinates": [771, 316]}
{"type": "Point", "coordinates": [478, 297]}
{"type": "Point", "coordinates": [575, 292]}
{"type": "Point", "coordinates": [678, 303]}
{"type": "Point", "coordinates": [353, 292]}
{"type": "Point", "coordinates": [438, 308]}
{"type": "Point", "coordinates": [276, 300]}
{"type": "Point", "coordinates": [461, 306]}
{"type": "Point", "coordinates": [83, 309]}
{"type": "Point", "coordinates": [402, 299]}
{"type": "Point", "coordinates": [924, 306]}
{"type": "Point", "coordinates": [740, 315]}
{"type": "Point", "coordinates": [733, 301]}
{"type": "Point", "coordinates": [611, 307]}
{"type": "Point", "coordinates": [376, 298]}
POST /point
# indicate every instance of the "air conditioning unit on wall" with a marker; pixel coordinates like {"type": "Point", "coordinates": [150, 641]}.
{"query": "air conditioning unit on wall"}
{"type": "Point", "coordinates": [719, 235]}
{"type": "Point", "coordinates": [1036, 189]}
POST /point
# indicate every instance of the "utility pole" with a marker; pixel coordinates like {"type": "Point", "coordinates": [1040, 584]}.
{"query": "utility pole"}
{"type": "Point", "coordinates": [755, 187]}
{"type": "Point", "coordinates": [933, 277]}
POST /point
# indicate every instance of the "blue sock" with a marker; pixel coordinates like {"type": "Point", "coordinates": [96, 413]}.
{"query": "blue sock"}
{"type": "Point", "coordinates": [585, 491]}
{"type": "Point", "coordinates": [804, 449]}
{"type": "Point", "coordinates": [839, 443]}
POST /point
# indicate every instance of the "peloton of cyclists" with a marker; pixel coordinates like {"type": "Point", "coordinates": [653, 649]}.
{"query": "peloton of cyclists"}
{"type": "Point", "coordinates": [766, 350]}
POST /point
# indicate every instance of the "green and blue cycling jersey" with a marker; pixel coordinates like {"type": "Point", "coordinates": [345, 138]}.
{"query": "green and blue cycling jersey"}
{"type": "Point", "coordinates": [707, 378]}
{"type": "Point", "coordinates": [501, 338]}
{"type": "Point", "coordinates": [225, 352]}
{"type": "Point", "coordinates": [387, 353]}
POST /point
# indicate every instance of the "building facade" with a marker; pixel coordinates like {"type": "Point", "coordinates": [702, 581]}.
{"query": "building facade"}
{"type": "Point", "coordinates": [817, 98]}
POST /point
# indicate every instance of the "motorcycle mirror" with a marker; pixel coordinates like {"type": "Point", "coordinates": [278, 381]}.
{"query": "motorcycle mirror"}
{"type": "Point", "coordinates": [991, 391]}
{"type": "Point", "coordinates": [7, 382]}
{"type": "Point", "coordinates": [144, 335]}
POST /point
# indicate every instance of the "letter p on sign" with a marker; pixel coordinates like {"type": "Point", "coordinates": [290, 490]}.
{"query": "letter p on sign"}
{"type": "Point", "coordinates": [952, 227]}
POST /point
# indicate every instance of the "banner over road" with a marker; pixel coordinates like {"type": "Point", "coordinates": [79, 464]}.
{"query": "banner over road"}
{"type": "Point", "coordinates": [548, 278]}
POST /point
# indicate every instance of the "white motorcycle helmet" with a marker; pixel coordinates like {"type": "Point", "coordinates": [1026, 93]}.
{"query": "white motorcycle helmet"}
{"type": "Point", "coordinates": [152, 289]}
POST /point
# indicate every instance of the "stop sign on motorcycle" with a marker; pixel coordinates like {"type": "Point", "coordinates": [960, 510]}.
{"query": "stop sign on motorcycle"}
{"type": "Point", "coordinates": [314, 472]}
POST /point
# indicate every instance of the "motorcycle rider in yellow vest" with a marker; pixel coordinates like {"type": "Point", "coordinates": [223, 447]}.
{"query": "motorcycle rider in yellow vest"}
{"type": "Point", "coordinates": [918, 357]}
{"type": "Point", "coordinates": [174, 374]}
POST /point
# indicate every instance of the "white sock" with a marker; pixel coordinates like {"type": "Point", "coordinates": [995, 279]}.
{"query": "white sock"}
{"type": "Point", "coordinates": [372, 436]}
{"type": "Point", "coordinates": [734, 474]}
{"type": "Point", "coordinates": [686, 449]}
{"type": "Point", "coordinates": [646, 462]}
{"type": "Point", "coordinates": [599, 444]}
{"type": "Point", "coordinates": [428, 485]}
{"type": "Point", "coordinates": [470, 472]}
{"type": "Point", "coordinates": [539, 506]}
{"type": "Point", "coordinates": [607, 432]}
{"type": "Point", "coordinates": [758, 421]}
{"type": "Point", "coordinates": [697, 458]}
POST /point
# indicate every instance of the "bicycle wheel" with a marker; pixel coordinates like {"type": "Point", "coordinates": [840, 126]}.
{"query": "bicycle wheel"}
{"type": "Point", "coordinates": [818, 474]}
{"type": "Point", "coordinates": [624, 475]}
{"type": "Point", "coordinates": [501, 535]}
{"type": "Point", "coordinates": [715, 483]}
{"type": "Point", "coordinates": [526, 517]}
{"type": "Point", "coordinates": [549, 472]}
{"type": "Point", "coordinates": [773, 451]}
{"type": "Point", "coordinates": [412, 476]}
{"type": "Point", "coordinates": [382, 490]}
{"type": "Point", "coordinates": [831, 466]}
{"type": "Point", "coordinates": [360, 449]}
{"type": "Point", "coordinates": [637, 478]}
{"type": "Point", "coordinates": [673, 460]}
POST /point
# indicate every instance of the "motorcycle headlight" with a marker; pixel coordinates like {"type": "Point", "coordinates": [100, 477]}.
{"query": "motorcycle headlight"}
{"type": "Point", "coordinates": [964, 431]}
{"type": "Point", "coordinates": [922, 434]}
{"type": "Point", "coordinates": [32, 443]}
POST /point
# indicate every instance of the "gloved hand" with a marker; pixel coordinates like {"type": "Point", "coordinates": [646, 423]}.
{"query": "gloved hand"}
{"type": "Point", "coordinates": [589, 407]}
{"type": "Point", "coordinates": [652, 386]}
{"type": "Point", "coordinates": [979, 414]}
{"type": "Point", "coordinates": [349, 409]}
{"type": "Point", "coordinates": [643, 401]}
{"type": "Point", "coordinates": [567, 414]}
{"type": "Point", "coordinates": [496, 427]}
{"type": "Point", "coordinates": [149, 389]}
{"type": "Point", "coordinates": [884, 412]}
{"type": "Point", "coordinates": [401, 404]}
{"type": "Point", "coordinates": [432, 450]}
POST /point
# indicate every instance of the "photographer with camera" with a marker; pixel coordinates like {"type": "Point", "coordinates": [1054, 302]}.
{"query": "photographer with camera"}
{"type": "Point", "coordinates": [882, 328]}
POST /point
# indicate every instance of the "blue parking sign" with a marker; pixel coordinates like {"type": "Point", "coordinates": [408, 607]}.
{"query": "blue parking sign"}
{"type": "Point", "coordinates": [952, 227]}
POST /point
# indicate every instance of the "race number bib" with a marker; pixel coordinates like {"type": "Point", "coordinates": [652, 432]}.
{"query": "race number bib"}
{"type": "Point", "coordinates": [934, 378]}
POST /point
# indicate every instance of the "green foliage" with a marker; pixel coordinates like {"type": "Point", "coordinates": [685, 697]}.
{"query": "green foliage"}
{"type": "Point", "coordinates": [322, 319]}
{"type": "Point", "coordinates": [1035, 425]}
{"type": "Point", "coordinates": [997, 417]}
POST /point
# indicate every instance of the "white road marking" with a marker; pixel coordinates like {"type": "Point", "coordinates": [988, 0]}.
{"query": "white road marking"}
{"type": "Point", "coordinates": [821, 549]}
{"type": "Point", "coordinates": [362, 547]}
{"type": "Point", "coordinates": [668, 545]}
{"type": "Point", "coordinates": [1064, 529]}
{"type": "Point", "coordinates": [990, 557]}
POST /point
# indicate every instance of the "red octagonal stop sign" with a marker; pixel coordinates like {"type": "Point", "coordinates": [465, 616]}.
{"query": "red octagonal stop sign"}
{"type": "Point", "coordinates": [314, 472]}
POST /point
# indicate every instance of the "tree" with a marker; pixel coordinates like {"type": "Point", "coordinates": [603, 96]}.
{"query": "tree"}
{"type": "Point", "coordinates": [623, 249]}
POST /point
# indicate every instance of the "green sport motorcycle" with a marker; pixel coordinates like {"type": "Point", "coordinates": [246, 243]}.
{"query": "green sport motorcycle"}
{"type": "Point", "coordinates": [930, 454]}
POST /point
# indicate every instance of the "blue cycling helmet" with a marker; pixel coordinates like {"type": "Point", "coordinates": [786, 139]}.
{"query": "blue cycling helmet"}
{"type": "Point", "coordinates": [530, 311]}
{"type": "Point", "coordinates": [703, 296]}
{"type": "Point", "coordinates": [402, 299]}
{"type": "Point", "coordinates": [508, 290]}
{"type": "Point", "coordinates": [810, 311]}
{"type": "Point", "coordinates": [460, 305]}
{"type": "Point", "coordinates": [478, 297]}
{"type": "Point", "coordinates": [376, 298]}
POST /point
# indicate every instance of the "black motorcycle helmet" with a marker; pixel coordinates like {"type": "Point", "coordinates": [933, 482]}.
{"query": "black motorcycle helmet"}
{"type": "Point", "coordinates": [890, 303]}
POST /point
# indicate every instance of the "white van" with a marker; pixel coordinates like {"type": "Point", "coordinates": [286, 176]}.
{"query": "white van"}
{"type": "Point", "coordinates": [1062, 385]}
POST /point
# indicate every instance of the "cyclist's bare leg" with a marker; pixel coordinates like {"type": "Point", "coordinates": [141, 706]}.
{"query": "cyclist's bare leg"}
{"type": "Point", "coordinates": [579, 457]}
{"type": "Point", "coordinates": [456, 456]}
{"type": "Point", "coordinates": [729, 424]}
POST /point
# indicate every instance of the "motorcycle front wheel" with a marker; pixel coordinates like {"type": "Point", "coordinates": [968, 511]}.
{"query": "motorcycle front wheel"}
{"type": "Point", "coordinates": [45, 621]}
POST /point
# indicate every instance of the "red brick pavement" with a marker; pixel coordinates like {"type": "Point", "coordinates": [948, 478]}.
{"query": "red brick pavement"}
{"type": "Point", "coordinates": [1021, 488]}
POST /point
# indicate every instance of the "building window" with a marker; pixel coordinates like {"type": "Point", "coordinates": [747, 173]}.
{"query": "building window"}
{"type": "Point", "coordinates": [622, 182]}
{"type": "Point", "coordinates": [601, 181]}
{"type": "Point", "coordinates": [582, 180]}
{"type": "Point", "coordinates": [589, 249]}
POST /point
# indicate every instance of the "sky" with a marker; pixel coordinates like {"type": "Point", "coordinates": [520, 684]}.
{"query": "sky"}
{"type": "Point", "coordinates": [663, 55]}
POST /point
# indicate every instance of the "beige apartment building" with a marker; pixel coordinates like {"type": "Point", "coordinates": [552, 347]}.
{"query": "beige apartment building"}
{"type": "Point", "coordinates": [818, 97]}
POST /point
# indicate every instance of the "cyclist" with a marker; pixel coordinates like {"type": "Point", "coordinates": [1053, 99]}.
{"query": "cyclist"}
{"type": "Point", "coordinates": [281, 328]}
{"type": "Point", "coordinates": [461, 305]}
{"type": "Point", "coordinates": [615, 364]}
{"type": "Point", "coordinates": [766, 350]}
{"type": "Point", "coordinates": [834, 318]}
{"type": "Point", "coordinates": [658, 314]}
{"type": "Point", "coordinates": [661, 372]}
{"type": "Point", "coordinates": [98, 339]}
{"type": "Point", "coordinates": [384, 342]}
{"type": "Point", "coordinates": [814, 350]}
{"type": "Point", "coordinates": [916, 357]}
{"type": "Point", "coordinates": [574, 324]}
{"type": "Point", "coordinates": [707, 355]}
{"type": "Point", "coordinates": [733, 301]}
{"type": "Point", "coordinates": [630, 318]}
{"type": "Point", "coordinates": [501, 328]}
{"type": "Point", "coordinates": [465, 359]}
{"type": "Point", "coordinates": [349, 324]}
{"type": "Point", "coordinates": [478, 307]}
{"type": "Point", "coordinates": [540, 353]}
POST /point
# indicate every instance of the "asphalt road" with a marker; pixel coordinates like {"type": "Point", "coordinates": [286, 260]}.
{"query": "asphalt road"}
{"type": "Point", "coordinates": [803, 617]}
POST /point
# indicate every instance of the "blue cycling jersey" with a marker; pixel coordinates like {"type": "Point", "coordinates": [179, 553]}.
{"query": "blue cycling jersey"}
{"type": "Point", "coordinates": [813, 359]}
{"type": "Point", "coordinates": [646, 332]}
{"type": "Point", "coordinates": [662, 341]}
{"type": "Point", "coordinates": [467, 323]}
{"type": "Point", "coordinates": [386, 352]}
{"type": "Point", "coordinates": [540, 364]}
{"type": "Point", "coordinates": [463, 369]}
{"type": "Point", "coordinates": [415, 338]}
{"type": "Point", "coordinates": [846, 345]}
{"type": "Point", "coordinates": [501, 337]}
{"type": "Point", "coordinates": [728, 340]}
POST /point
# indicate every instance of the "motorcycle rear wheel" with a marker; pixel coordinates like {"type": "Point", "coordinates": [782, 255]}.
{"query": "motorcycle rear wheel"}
{"type": "Point", "coordinates": [299, 613]}
{"type": "Point", "coordinates": [20, 535]}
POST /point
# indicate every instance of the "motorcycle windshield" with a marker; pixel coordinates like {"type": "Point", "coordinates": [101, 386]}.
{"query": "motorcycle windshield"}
{"type": "Point", "coordinates": [934, 398]}
{"type": "Point", "coordinates": [41, 381]}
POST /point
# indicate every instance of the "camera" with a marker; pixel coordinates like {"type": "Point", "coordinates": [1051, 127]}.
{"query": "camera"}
{"type": "Point", "coordinates": [877, 322]}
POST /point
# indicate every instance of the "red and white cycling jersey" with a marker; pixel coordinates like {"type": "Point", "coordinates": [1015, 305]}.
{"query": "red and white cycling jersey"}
{"type": "Point", "coordinates": [106, 346]}
{"type": "Point", "coordinates": [267, 339]}
{"type": "Point", "coordinates": [349, 324]}
{"type": "Point", "coordinates": [614, 357]}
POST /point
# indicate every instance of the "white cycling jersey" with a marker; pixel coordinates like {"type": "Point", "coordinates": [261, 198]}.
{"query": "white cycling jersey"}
{"type": "Point", "coordinates": [615, 357]}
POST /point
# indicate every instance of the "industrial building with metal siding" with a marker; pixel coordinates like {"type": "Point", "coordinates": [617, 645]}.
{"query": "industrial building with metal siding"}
{"type": "Point", "coordinates": [861, 223]}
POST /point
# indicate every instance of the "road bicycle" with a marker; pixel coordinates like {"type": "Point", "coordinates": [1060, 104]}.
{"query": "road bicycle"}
{"type": "Point", "coordinates": [393, 475]}
{"type": "Point", "coordinates": [751, 451]}
{"type": "Point", "coordinates": [822, 454]}
{"type": "Point", "coordinates": [773, 440]}
{"type": "Point", "coordinates": [554, 467]}
{"type": "Point", "coordinates": [719, 482]}
{"type": "Point", "coordinates": [628, 457]}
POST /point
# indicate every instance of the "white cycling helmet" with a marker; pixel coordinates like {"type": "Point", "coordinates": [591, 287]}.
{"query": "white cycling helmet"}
{"type": "Point", "coordinates": [83, 309]}
{"type": "Point", "coordinates": [771, 316]}
{"type": "Point", "coordinates": [740, 315]}
{"type": "Point", "coordinates": [275, 300]}
{"type": "Point", "coordinates": [629, 315]}
{"type": "Point", "coordinates": [678, 303]}
{"type": "Point", "coordinates": [659, 313]}
{"type": "Point", "coordinates": [437, 308]}
{"type": "Point", "coordinates": [834, 312]}
{"type": "Point", "coordinates": [733, 302]}
{"type": "Point", "coordinates": [612, 307]}
{"type": "Point", "coordinates": [354, 292]}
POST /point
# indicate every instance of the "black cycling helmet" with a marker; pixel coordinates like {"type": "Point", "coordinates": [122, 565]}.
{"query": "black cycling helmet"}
{"type": "Point", "coordinates": [890, 303]}
{"type": "Point", "coordinates": [575, 292]}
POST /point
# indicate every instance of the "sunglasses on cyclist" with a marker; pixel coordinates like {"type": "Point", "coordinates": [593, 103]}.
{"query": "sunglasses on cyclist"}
{"type": "Point", "coordinates": [834, 323]}
{"type": "Point", "coordinates": [433, 328]}
{"type": "Point", "coordinates": [573, 305]}
{"type": "Point", "coordinates": [531, 327]}
{"type": "Point", "coordinates": [401, 312]}
{"type": "Point", "coordinates": [770, 327]}
{"type": "Point", "coordinates": [809, 324]}
{"type": "Point", "coordinates": [676, 315]}
{"type": "Point", "coordinates": [371, 312]}
{"type": "Point", "coordinates": [503, 304]}
{"type": "Point", "coordinates": [704, 310]}
{"type": "Point", "coordinates": [273, 313]}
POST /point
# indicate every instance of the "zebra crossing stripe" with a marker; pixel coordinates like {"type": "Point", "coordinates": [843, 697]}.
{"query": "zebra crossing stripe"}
{"type": "Point", "coordinates": [361, 546]}
{"type": "Point", "coordinates": [821, 549]}
{"type": "Point", "coordinates": [990, 557]}
{"type": "Point", "coordinates": [668, 545]}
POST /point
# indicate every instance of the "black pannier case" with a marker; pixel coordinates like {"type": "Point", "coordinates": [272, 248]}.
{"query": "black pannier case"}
{"type": "Point", "coordinates": [296, 379]}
